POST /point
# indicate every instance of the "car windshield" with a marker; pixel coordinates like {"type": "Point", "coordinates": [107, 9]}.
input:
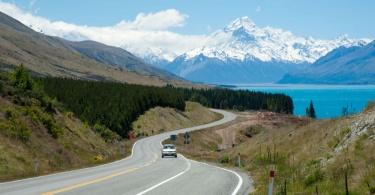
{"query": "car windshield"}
{"type": "Point", "coordinates": [168, 147]}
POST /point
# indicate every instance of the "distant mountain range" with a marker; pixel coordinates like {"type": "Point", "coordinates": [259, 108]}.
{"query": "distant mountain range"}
{"type": "Point", "coordinates": [244, 53]}
{"type": "Point", "coordinates": [353, 65]}
{"type": "Point", "coordinates": [241, 53]}
{"type": "Point", "coordinates": [53, 56]}
{"type": "Point", "coordinates": [117, 57]}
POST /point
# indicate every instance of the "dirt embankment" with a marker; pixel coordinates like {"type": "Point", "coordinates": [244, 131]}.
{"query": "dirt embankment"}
{"type": "Point", "coordinates": [261, 119]}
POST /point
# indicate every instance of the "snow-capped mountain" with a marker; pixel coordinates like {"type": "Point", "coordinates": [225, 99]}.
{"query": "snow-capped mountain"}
{"type": "Point", "coordinates": [155, 56]}
{"type": "Point", "coordinates": [242, 38]}
{"type": "Point", "coordinates": [245, 53]}
{"type": "Point", "coordinates": [353, 65]}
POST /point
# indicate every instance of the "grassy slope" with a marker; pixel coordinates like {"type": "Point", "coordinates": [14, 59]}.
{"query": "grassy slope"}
{"type": "Point", "coordinates": [309, 154]}
{"type": "Point", "coordinates": [75, 147]}
{"type": "Point", "coordinates": [158, 120]}
{"type": "Point", "coordinates": [78, 145]}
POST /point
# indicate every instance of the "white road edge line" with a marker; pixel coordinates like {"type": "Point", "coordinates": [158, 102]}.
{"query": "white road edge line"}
{"type": "Point", "coordinates": [167, 180]}
{"type": "Point", "coordinates": [153, 187]}
{"type": "Point", "coordinates": [189, 165]}
{"type": "Point", "coordinates": [161, 183]}
{"type": "Point", "coordinates": [239, 177]}
{"type": "Point", "coordinates": [15, 181]}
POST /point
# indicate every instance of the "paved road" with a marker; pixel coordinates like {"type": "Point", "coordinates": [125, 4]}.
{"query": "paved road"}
{"type": "Point", "coordinates": [144, 172]}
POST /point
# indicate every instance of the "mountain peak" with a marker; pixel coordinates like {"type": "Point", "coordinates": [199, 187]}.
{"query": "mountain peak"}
{"type": "Point", "coordinates": [244, 22]}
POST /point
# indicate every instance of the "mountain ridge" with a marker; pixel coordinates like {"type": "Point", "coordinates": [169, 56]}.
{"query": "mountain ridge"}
{"type": "Point", "coordinates": [245, 53]}
{"type": "Point", "coordinates": [53, 56]}
{"type": "Point", "coordinates": [354, 65]}
{"type": "Point", "coordinates": [243, 38]}
{"type": "Point", "coordinates": [116, 57]}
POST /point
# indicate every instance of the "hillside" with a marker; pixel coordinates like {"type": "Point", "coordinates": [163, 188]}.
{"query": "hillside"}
{"type": "Point", "coordinates": [35, 127]}
{"type": "Point", "coordinates": [310, 155]}
{"type": "Point", "coordinates": [52, 56]}
{"type": "Point", "coordinates": [353, 65]}
{"type": "Point", "coordinates": [158, 120]}
{"type": "Point", "coordinates": [117, 57]}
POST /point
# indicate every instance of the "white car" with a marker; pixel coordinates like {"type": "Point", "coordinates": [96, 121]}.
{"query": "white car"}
{"type": "Point", "coordinates": [169, 150]}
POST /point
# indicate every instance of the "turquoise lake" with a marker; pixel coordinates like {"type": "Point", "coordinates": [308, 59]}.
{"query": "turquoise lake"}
{"type": "Point", "coordinates": [328, 100]}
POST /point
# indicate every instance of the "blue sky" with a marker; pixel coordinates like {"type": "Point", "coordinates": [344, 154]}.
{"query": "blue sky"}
{"type": "Point", "coordinates": [169, 28]}
{"type": "Point", "coordinates": [321, 19]}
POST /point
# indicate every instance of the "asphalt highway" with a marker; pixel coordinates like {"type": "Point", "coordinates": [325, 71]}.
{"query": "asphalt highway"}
{"type": "Point", "coordinates": [144, 172]}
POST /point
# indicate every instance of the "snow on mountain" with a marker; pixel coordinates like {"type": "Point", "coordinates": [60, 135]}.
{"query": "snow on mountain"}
{"type": "Point", "coordinates": [242, 38]}
{"type": "Point", "coordinates": [245, 53]}
{"type": "Point", "coordinates": [343, 66]}
{"type": "Point", "coordinates": [155, 56]}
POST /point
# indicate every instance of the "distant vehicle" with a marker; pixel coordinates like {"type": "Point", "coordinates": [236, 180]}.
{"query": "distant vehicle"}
{"type": "Point", "coordinates": [169, 150]}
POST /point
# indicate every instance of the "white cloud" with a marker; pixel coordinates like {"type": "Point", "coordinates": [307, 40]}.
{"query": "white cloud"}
{"type": "Point", "coordinates": [147, 31]}
{"type": "Point", "coordinates": [162, 20]}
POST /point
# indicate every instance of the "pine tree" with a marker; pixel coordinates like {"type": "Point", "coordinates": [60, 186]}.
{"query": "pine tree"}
{"type": "Point", "coordinates": [22, 79]}
{"type": "Point", "coordinates": [310, 112]}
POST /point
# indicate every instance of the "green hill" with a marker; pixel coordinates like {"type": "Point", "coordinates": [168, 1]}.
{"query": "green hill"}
{"type": "Point", "coordinates": [35, 127]}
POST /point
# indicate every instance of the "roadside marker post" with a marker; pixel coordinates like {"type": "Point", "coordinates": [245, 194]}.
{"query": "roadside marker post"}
{"type": "Point", "coordinates": [272, 178]}
{"type": "Point", "coordinates": [120, 148]}
{"type": "Point", "coordinates": [36, 165]}
{"type": "Point", "coordinates": [239, 160]}
{"type": "Point", "coordinates": [186, 136]}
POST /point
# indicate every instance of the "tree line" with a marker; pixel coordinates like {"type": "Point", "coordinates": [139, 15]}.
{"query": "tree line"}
{"type": "Point", "coordinates": [113, 105]}
{"type": "Point", "coordinates": [222, 98]}
{"type": "Point", "coordinates": [117, 105]}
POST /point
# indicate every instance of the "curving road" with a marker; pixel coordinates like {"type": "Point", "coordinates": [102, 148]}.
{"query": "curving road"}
{"type": "Point", "coordinates": [144, 172]}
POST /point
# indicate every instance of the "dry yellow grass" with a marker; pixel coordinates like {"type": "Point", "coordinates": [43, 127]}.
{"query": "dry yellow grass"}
{"type": "Point", "coordinates": [308, 154]}
{"type": "Point", "coordinates": [158, 120]}
{"type": "Point", "coordinates": [75, 147]}
{"type": "Point", "coordinates": [78, 146]}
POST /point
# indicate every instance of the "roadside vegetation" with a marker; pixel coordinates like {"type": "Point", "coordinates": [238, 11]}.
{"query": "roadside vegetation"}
{"type": "Point", "coordinates": [62, 124]}
{"type": "Point", "coordinates": [115, 106]}
{"type": "Point", "coordinates": [39, 136]}
{"type": "Point", "coordinates": [311, 156]}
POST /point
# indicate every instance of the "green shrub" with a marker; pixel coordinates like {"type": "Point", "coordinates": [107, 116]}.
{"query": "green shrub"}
{"type": "Point", "coordinates": [17, 129]}
{"type": "Point", "coordinates": [22, 79]}
{"type": "Point", "coordinates": [224, 159]}
{"type": "Point", "coordinates": [70, 114]}
{"type": "Point", "coordinates": [67, 145]}
{"type": "Point", "coordinates": [23, 132]}
{"type": "Point", "coordinates": [51, 126]}
{"type": "Point", "coordinates": [97, 158]}
{"type": "Point", "coordinates": [346, 131]}
{"type": "Point", "coordinates": [33, 113]}
{"type": "Point", "coordinates": [315, 176]}
{"type": "Point", "coordinates": [9, 113]}
{"type": "Point", "coordinates": [106, 133]}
